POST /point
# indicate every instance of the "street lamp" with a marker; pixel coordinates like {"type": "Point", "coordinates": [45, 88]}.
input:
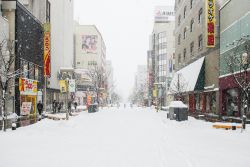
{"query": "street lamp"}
{"type": "Point", "coordinates": [157, 96]}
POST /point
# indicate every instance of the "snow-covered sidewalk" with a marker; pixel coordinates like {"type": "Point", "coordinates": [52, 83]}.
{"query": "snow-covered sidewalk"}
{"type": "Point", "coordinates": [137, 137]}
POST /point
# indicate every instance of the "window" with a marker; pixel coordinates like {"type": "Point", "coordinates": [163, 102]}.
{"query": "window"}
{"type": "Point", "coordinates": [47, 11]}
{"type": "Point", "coordinates": [184, 54]}
{"type": "Point", "coordinates": [185, 11]}
{"type": "Point", "coordinates": [200, 42]}
{"type": "Point", "coordinates": [31, 71]}
{"type": "Point", "coordinates": [36, 73]}
{"type": "Point", "coordinates": [179, 58]}
{"type": "Point", "coordinates": [185, 33]}
{"type": "Point", "coordinates": [200, 14]}
{"type": "Point", "coordinates": [192, 48]}
{"type": "Point", "coordinates": [192, 25]}
{"type": "Point", "coordinates": [179, 39]}
{"type": "Point", "coordinates": [191, 4]}
{"type": "Point", "coordinates": [179, 20]}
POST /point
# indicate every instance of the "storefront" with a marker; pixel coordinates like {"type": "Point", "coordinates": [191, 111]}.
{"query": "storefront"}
{"type": "Point", "coordinates": [28, 96]}
{"type": "Point", "coordinates": [230, 97]}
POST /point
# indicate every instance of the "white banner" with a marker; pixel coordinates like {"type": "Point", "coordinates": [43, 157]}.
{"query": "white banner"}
{"type": "Point", "coordinates": [72, 86]}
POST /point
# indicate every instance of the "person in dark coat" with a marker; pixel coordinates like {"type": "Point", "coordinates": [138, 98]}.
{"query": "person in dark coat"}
{"type": "Point", "coordinates": [75, 105]}
{"type": "Point", "coordinates": [59, 107]}
{"type": "Point", "coordinates": [40, 107]}
{"type": "Point", "coordinates": [54, 106]}
{"type": "Point", "coordinates": [69, 107]}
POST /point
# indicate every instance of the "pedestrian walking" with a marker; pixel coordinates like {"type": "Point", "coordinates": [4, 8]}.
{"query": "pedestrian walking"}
{"type": "Point", "coordinates": [75, 105]}
{"type": "Point", "coordinates": [59, 107]}
{"type": "Point", "coordinates": [69, 107]}
{"type": "Point", "coordinates": [54, 106]}
{"type": "Point", "coordinates": [40, 107]}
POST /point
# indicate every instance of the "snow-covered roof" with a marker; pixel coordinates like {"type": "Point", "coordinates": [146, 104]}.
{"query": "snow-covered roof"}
{"type": "Point", "coordinates": [189, 76]}
{"type": "Point", "coordinates": [177, 104]}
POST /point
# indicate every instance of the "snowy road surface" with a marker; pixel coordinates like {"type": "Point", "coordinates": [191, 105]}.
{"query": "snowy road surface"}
{"type": "Point", "coordinates": [137, 137]}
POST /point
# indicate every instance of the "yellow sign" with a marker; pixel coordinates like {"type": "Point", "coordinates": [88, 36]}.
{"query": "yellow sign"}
{"type": "Point", "coordinates": [27, 86]}
{"type": "Point", "coordinates": [63, 86]}
{"type": "Point", "coordinates": [210, 15]}
{"type": "Point", "coordinates": [155, 92]}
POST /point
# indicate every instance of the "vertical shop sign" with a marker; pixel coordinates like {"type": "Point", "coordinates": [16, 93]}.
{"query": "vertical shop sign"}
{"type": "Point", "coordinates": [210, 15]}
{"type": "Point", "coordinates": [47, 48]}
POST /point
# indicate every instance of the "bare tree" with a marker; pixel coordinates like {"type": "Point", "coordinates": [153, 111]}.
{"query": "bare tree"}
{"type": "Point", "coordinates": [178, 87]}
{"type": "Point", "coordinates": [7, 72]}
{"type": "Point", "coordinates": [238, 64]}
{"type": "Point", "coordinates": [98, 79]}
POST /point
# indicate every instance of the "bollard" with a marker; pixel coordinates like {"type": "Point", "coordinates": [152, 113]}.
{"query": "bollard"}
{"type": "Point", "coordinates": [13, 125]}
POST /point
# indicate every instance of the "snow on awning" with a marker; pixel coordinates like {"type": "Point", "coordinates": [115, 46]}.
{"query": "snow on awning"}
{"type": "Point", "coordinates": [187, 76]}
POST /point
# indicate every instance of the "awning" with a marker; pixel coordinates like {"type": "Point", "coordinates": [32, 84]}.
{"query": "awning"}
{"type": "Point", "coordinates": [189, 78]}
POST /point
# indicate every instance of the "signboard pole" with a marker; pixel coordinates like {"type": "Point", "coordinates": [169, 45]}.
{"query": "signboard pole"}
{"type": "Point", "coordinates": [45, 97]}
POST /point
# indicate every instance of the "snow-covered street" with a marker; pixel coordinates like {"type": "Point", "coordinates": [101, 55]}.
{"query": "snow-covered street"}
{"type": "Point", "coordinates": [137, 137]}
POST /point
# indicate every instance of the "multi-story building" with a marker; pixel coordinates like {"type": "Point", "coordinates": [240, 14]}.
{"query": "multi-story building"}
{"type": "Point", "coordinates": [27, 32]}
{"type": "Point", "coordinates": [90, 54]}
{"type": "Point", "coordinates": [59, 15]}
{"type": "Point", "coordinates": [90, 49]}
{"type": "Point", "coordinates": [197, 54]}
{"type": "Point", "coordinates": [234, 40]}
{"type": "Point", "coordinates": [161, 53]}
{"type": "Point", "coordinates": [26, 25]}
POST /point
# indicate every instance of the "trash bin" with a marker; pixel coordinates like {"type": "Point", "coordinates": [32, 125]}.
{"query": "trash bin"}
{"type": "Point", "coordinates": [234, 126]}
{"type": "Point", "coordinates": [178, 111]}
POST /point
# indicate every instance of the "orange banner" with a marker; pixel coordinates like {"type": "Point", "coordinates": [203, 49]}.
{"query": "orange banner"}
{"type": "Point", "coordinates": [47, 57]}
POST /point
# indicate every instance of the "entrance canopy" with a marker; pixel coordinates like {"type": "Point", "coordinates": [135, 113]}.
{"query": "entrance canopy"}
{"type": "Point", "coordinates": [189, 78]}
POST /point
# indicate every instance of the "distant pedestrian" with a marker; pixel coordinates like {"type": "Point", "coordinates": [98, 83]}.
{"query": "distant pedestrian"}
{"type": "Point", "coordinates": [59, 107]}
{"type": "Point", "coordinates": [69, 107]}
{"type": "Point", "coordinates": [75, 105]}
{"type": "Point", "coordinates": [54, 106]}
{"type": "Point", "coordinates": [40, 107]}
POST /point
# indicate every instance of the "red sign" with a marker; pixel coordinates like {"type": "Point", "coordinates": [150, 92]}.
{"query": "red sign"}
{"type": "Point", "coordinates": [210, 23]}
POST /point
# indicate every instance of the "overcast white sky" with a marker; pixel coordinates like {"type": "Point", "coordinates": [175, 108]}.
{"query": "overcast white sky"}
{"type": "Point", "coordinates": [125, 26]}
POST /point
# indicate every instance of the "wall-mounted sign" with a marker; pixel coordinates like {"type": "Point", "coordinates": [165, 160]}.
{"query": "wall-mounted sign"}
{"type": "Point", "coordinates": [27, 86]}
{"type": "Point", "coordinates": [164, 14]}
{"type": "Point", "coordinates": [26, 108]}
{"type": "Point", "coordinates": [72, 86]}
{"type": "Point", "coordinates": [63, 86]}
{"type": "Point", "coordinates": [89, 43]}
{"type": "Point", "coordinates": [47, 57]}
{"type": "Point", "coordinates": [210, 14]}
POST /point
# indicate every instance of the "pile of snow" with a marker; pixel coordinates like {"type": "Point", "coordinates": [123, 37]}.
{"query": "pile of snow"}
{"type": "Point", "coordinates": [11, 116]}
{"type": "Point", "coordinates": [81, 107]}
{"type": "Point", "coordinates": [177, 104]}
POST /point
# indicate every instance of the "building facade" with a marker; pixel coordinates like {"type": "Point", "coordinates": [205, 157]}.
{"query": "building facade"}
{"type": "Point", "coordinates": [90, 54]}
{"type": "Point", "coordinates": [160, 58]}
{"type": "Point", "coordinates": [235, 36]}
{"type": "Point", "coordinates": [197, 49]}
{"type": "Point", "coordinates": [27, 32]}
{"type": "Point", "coordinates": [59, 16]}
